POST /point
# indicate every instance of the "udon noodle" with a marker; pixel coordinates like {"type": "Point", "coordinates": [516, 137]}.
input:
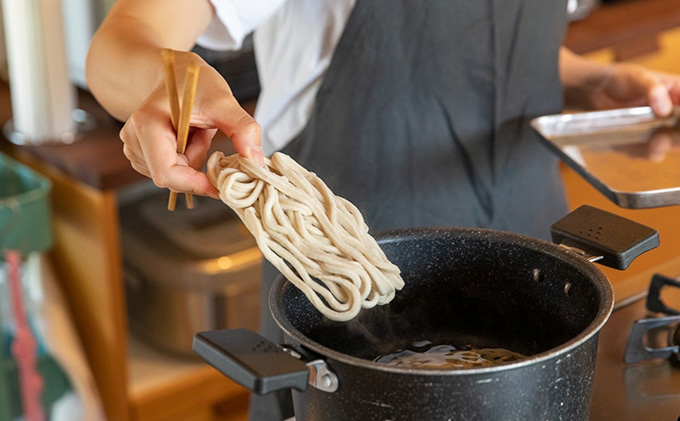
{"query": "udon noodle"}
{"type": "Point", "coordinates": [319, 241]}
{"type": "Point", "coordinates": [449, 357]}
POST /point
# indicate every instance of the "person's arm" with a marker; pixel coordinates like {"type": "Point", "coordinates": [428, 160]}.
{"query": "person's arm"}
{"type": "Point", "coordinates": [125, 74]}
{"type": "Point", "coordinates": [589, 85]}
{"type": "Point", "coordinates": [124, 64]}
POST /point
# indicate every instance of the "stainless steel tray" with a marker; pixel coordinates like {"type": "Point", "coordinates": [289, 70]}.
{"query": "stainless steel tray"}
{"type": "Point", "coordinates": [630, 155]}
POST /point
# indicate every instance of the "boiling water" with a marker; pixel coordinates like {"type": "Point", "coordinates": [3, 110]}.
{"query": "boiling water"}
{"type": "Point", "coordinates": [426, 355]}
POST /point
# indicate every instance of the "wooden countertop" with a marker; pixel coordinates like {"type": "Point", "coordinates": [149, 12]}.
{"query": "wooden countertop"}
{"type": "Point", "coordinates": [98, 161]}
{"type": "Point", "coordinates": [625, 24]}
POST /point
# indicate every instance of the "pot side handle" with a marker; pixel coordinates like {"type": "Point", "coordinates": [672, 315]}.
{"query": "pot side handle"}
{"type": "Point", "coordinates": [251, 360]}
{"type": "Point", "coordinates": [617, 241]}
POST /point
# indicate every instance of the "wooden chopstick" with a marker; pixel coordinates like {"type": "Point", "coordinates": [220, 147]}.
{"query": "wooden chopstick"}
{"type": "Point", "coordinates": [171, 85]}
{"type": "Point", "coordinates": [180, 116]}
{"type": "Point", "coordinates": [190, 82]}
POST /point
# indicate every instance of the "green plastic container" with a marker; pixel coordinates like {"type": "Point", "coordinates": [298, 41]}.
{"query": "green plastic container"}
{"type": "Point", "coordinates": [24, 226]}
{"type": "Point", "coordinates": [55, 385]}
{"type": "Point", "coordinates": [24, 208]}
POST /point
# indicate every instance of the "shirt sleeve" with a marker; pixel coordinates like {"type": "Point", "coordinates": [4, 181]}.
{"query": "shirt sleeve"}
{"type": "Point", "coordinates": [234, 20]}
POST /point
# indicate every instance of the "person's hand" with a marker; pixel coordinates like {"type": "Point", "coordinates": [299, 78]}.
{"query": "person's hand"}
{"type": "Point", "coordinates": [630, 85]}
{"type": "Point", "coordinates": [150, 140]}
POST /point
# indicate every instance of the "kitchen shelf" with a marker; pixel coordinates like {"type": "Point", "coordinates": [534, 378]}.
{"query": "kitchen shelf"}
{"type": "Point", "coordinates": [149, 368]}
{"type": "Point", "coordinates": [86, 177]}
{"type": "Point", "coordinates": [158, 384]}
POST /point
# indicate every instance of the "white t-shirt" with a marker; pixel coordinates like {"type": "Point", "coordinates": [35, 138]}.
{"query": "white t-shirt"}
{"type": "Point", "coordinates": [294, 41]}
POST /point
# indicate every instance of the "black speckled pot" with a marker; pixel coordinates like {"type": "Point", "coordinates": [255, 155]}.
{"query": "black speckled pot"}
{"type": "Point", "coordinates": [463, 286]}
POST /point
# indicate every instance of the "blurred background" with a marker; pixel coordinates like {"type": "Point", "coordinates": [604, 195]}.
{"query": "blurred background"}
{"type": "Point", "coordinates": [114, 287]}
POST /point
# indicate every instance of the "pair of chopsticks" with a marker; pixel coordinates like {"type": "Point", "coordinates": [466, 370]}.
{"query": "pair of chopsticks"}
{"type": "Point", "coordinates": [180, 116]}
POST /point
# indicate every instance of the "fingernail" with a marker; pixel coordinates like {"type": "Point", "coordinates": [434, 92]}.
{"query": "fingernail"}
{"type": "Point", "coordinates": [256, 154]}
{"type": "Point", "coordinates": [213, 192]}
{"type": "Point", "coordinates": [661, 101]}
{"type": "Point", "coordinates": [657, 156]}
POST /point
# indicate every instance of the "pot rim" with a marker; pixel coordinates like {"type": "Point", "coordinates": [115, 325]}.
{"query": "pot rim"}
{"type": "Point", "coordinates": [601, 283]}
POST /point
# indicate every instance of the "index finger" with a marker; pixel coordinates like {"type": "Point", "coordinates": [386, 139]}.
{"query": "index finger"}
{"type": "Point", "coordinates": [185, 179]}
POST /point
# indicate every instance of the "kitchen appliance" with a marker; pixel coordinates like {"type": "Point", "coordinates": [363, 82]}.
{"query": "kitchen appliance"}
{"type": "Point", "coordinates": [187, 270]}
{"type": "Point", "coordinates": [466, 286]}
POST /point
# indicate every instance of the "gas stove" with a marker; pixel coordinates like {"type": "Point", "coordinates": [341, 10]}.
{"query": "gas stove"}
{"type": "Point", "coordinates": [637, 374]}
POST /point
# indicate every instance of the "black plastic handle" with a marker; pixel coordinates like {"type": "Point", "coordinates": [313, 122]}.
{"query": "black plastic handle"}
{"type": "Point", "coordinates": [251, 360]}
{"type": "Point", "coordinates": [599, 233]}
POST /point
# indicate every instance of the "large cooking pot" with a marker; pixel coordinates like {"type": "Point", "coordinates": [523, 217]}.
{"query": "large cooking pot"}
{"type": "Point", "coordinates": [463, 286]}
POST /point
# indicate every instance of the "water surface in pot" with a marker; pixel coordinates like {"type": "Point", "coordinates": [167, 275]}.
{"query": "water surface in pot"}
{"type": "Point", "coordinates": [424, 354]}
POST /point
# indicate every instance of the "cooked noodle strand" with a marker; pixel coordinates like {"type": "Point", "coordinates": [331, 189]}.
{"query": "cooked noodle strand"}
{"type": "Point", "coordinates": [317, 240]}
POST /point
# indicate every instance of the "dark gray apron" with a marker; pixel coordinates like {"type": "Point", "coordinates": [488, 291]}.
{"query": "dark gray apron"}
{"type": "Point", "coordinates": [422, 120]}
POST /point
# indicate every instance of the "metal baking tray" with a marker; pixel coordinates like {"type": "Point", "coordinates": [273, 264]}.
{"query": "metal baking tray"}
{"type": "Point", "coordinates": [629, 154]}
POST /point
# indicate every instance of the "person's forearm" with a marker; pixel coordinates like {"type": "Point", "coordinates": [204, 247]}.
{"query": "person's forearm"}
{"type": "Point", "coordinates": [124, 63]}
{"type": "Point", "coordinates": [579, 77]}
{"type": "Point", "coordinates": [123, 66]}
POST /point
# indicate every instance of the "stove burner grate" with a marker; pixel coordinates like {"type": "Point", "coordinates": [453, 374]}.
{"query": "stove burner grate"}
{"type": "Point", "coordinates": [657, 337]}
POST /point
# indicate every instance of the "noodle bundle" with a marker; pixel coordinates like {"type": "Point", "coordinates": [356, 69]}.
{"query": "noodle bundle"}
{"type": "Point", "coordinates": [317, 240]}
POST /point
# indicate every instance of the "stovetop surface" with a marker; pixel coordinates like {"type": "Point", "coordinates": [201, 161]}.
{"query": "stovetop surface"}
{"type": "Point", "coordinates": [648, 390]}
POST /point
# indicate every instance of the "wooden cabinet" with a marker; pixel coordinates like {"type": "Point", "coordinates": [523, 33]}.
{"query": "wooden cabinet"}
{"type": "Point", "coordinates": [135, 381]}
